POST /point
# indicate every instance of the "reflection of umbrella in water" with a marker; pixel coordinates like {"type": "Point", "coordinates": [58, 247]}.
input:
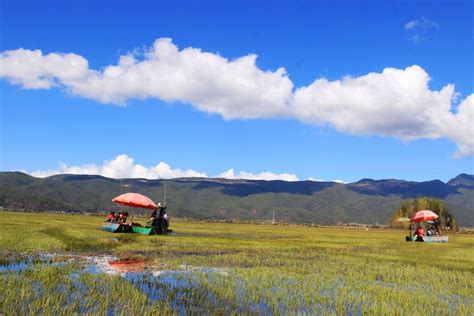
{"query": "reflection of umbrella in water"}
{"type": "Point", "coordinates": [128, 265]}
{"type": "Point", "coordinates": [423, 215]}
{"type": "Point", "coordinates": [135, 200]}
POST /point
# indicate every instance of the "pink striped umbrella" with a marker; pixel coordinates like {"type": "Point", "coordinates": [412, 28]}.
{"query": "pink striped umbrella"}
{"type": "Point", "coordinates": [423, 215]}
{"type": "Point", "coordinates": [135, 200]}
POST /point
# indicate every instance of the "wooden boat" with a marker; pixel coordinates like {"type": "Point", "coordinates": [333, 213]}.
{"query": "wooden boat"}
{"type": "Point", "coordinates": [117, 227]}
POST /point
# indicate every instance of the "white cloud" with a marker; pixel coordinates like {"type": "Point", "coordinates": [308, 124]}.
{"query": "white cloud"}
{"type": "Point", "coordinates": [395, 102]}
{"type": "Point", "coordinates": [42, 173]}
{"type": "Point", "coordinates": [421, 28]}
{"type": "Point", "coordinates": [211, 83]}
{"type": "Point", "coordinates": [322, 180]}
{"type": "Point", "coordinates": [421, 23]}
{"type": "Point", "coordinates": [124, 166]}
{"type": "Point", "coordinates": [33, 70]}
{"type": "Point", "coordinates": [230, 174]}
{"type": "Point", "coordinates": [460, 127]}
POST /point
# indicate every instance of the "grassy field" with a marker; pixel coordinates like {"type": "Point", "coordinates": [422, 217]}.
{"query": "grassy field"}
{"type": "Point", "coordinates": [257, 269]}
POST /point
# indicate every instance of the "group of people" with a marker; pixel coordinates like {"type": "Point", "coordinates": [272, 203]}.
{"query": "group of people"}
{"type": "Point", "coordinates": [432, 230]}
{"type": "Point", "coordinates": [121, 217]}
{"type": "Point", "coordinates": [158, 219]}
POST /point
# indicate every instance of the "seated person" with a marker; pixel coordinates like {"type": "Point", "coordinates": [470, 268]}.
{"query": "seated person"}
{"type": "Point", "coordinates": [419, 234]}
{"type": "Point", "coordinates": [111, 217]}
{"type": "Point", "coordinates": [123, 217]}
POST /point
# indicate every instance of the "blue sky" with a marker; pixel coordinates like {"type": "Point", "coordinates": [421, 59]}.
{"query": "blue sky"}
{"type": "Point", "coordinates": [41, 127]}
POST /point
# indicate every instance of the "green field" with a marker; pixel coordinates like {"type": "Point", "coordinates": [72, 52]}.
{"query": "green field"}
{"type": "Point", "coordinates": [238, 268]}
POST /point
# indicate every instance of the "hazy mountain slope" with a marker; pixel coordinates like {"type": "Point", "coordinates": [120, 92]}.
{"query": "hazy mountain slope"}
{"type": "Point", "coordinates": [365, 201]}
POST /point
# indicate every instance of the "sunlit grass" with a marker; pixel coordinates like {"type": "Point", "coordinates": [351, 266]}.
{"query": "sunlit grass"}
{"type": "Point", "coordinates": [279, 269]}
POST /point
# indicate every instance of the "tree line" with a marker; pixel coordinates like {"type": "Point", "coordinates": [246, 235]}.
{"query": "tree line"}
{"type": "Point", "coordinates": [409, 207]}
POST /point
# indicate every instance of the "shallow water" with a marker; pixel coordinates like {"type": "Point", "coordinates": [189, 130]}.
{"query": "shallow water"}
{"type": "Point", "coordinates": [199, 290]}
{"type": "Point", "coordinates": [158, 284]}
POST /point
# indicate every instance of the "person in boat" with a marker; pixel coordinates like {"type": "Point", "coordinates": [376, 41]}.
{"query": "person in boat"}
{"type": "Point", "coordinates": [161, 210]}
{"type": "Point", "coordinates": [436, 224]}
{"type": "Point", "coordinates": [123, 217]}
{"type": "Point", "coordinates": [157, 218]}
{"type": "Point", "coordinates": [111, 217]}
{"type": "Point", "coordinates": [160, 220]}
{"type": "Point", "coordinates": [419, 234]}
{"type": "Point", "coordinates": [152, 219]}
{"type": "Point", "coordinates": [412, 231]}
{"type": "Point", "coordinates": [117, 217]}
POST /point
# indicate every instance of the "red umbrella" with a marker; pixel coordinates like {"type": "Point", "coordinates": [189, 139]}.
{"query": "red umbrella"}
{"type": "Point", "coordinates": [423, 215]}
{"type": "Point", "coordinates": [135, 200]}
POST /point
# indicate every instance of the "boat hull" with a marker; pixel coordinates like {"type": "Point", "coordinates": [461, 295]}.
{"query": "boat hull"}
{"type": "Point", "coordinates": [144, 230]}
{"type": "Point", "coordinates": [154, 230]}
{"type": "Point", "coordinates": [435, 238]}
{"type": "Point", "coordinates": [117, 228]}
{"type": "Point", "coordinates": [430, 239]}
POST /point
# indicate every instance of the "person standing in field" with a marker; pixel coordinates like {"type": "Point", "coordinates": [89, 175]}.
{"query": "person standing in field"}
{"type": "Point", "coordinates": [152, 219]}
{"type": "Point", "coordinates": [158, 218]}
{"type": "Point", "coordinates": [162, 228]}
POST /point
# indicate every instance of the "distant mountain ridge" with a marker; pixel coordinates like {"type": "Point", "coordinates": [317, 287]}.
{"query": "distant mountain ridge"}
{"type": "Point", "coordinates": [364, 201]}
{"type": "Point", "coordinates": [462, 180]}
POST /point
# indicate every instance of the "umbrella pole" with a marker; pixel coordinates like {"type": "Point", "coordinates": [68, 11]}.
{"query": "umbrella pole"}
{"type": "Point", "coordinates": [164, 195]}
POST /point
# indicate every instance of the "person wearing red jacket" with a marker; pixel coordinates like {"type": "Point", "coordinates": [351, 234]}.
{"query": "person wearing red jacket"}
{"type": "Point", "coordinates": [419, 234]}
{"type": "Point", "coordinates": [111, 217]}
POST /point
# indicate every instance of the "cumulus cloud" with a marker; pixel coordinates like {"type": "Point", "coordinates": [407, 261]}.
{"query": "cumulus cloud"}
{"type": "Point", "coordinates": [124, 166]}
{"type": "Point", "coordinates": [421, 28]}
{"type": "Point", "coordinates": [394, 102]}
{"type": "Point", "coordinates": [230, 174]}
{"type": "Point", "coordinates": [211, 83]}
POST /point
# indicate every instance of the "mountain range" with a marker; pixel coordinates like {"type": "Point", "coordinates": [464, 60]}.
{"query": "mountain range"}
{"type": "Point", "coordinates": [366, 201]}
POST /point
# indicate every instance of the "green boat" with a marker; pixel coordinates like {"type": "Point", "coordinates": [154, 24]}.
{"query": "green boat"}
{"type": "Point", "coordinates": [149, 230]}
{"type": "Point", "coordinates": [145, 230]}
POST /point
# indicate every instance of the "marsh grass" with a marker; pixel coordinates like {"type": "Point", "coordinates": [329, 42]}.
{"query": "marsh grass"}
{"type": "Point", "coordinates": [269, 269]}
